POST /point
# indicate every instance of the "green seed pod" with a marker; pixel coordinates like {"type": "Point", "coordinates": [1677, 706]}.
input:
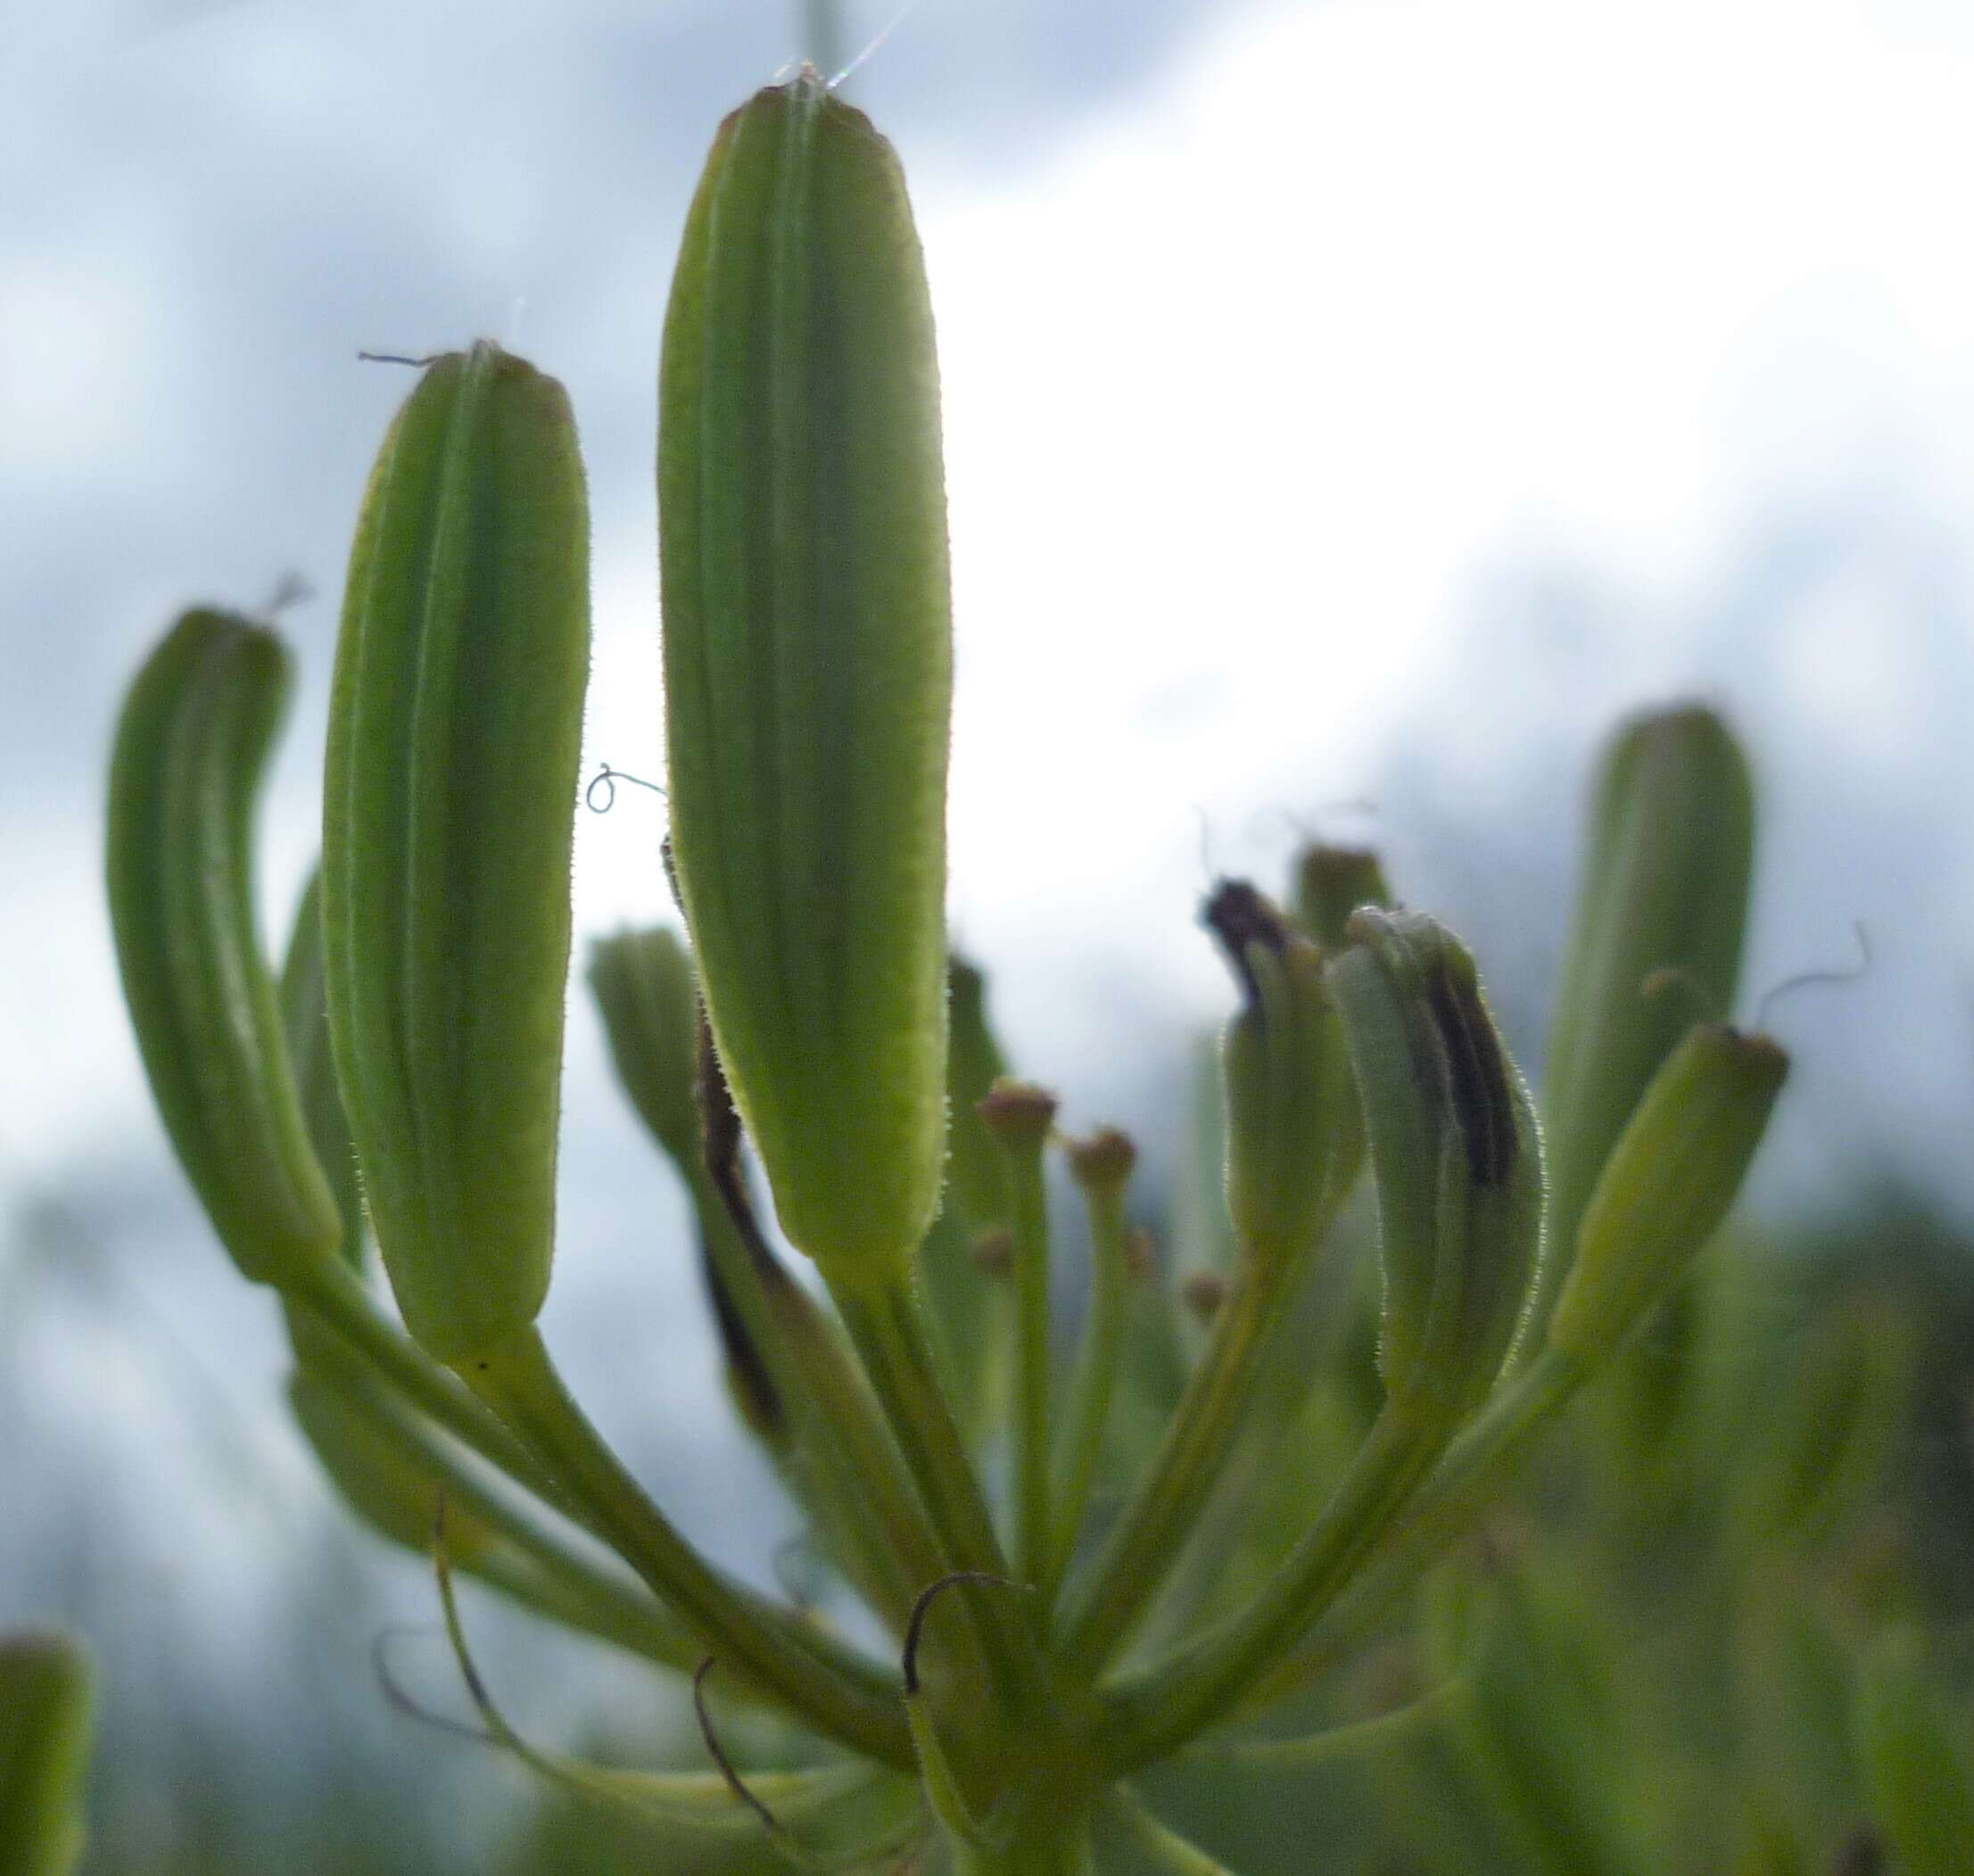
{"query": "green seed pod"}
{"type": "Point", "coordinates": [455, 732]}
{"type": "Point", "coordinates": [644, 988]}
{"type": "Point", "coordinates": [1294, 1139]}
{"type": "Point", "coordinates": [1919, 1769]}
{"type": "Point", "coordinates": [1455, 1153]}
{"type": "Point", "coordinates": [1657, 941]}
{"type": "Point", "coordinates": [808, 666]}
{"type": "Point", "coordinates": [191, 747]}
{"type": "Point", "coordinates": [48, 1698]}
{"type": "Point", "coordinates": [1668, 1182]}
{"type": "Point", "coordinates": [1330, 882]}
{"type": "Point", "coordinates": [380, 1475]}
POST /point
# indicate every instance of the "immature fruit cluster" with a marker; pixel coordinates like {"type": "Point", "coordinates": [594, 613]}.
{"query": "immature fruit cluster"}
{"type": "Point", "coordinates": [401, 1082]}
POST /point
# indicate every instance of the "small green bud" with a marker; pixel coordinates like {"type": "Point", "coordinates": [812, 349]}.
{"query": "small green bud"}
{"type": "Point", "coordinates": [378, 1471]}
{"type": "Point", "coordinates": [809, 665]}
{"type": "Point", "coordinates": [191, 747]}
{"type": "Point", "coordinates": [1675, 1170]}
{"type": "Point", "coordinates": [1330, 882]}
{"type": "Point", "coordinates": [1657, 941]}
{"type": "Point", "coordinates": [1017, 1115]}
{"type": "Point", "coordinates": [47, 1699]}
{"type": "Point", "coordinates": [455, 732]}
{"type": "Point", "coordinates": [1102, 1162]}
{"type": "Point", "coordinates": [1455, 1153]}
{"type": "Point", "coordinates": [1293, 1138]}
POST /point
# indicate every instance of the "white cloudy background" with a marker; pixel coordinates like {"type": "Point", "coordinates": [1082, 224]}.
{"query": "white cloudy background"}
{"type": "Point", "coordinates": [1343, 400]}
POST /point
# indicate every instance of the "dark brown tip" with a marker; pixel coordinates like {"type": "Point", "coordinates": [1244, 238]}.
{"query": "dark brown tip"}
{"type": "Point", "coordinates": [1239, 916]}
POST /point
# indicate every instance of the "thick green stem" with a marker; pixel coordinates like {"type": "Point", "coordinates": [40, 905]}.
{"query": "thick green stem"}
{"type": "Point", "coordinates": [1144, 1543]}
{"type": "Point", "coordinates": [888, 1329]}
{"type": "Point", "coordinates": [833, 1690]}
{"type": "Point", "coordinates": [1095, 1379]}
{"type": "Point", "coordinates": [1168, 1703]}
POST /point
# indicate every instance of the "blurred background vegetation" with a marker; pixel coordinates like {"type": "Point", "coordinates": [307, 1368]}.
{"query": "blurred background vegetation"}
{"type": "Point", "coordinates": [1529, 426]}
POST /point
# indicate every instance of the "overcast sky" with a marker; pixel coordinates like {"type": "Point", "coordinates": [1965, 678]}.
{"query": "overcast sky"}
{"type": "Point", "coordinates": [1342, 400]}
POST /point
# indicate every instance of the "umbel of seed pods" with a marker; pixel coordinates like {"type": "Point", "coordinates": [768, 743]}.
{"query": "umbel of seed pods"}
{"type": "Point", "coordinates": [399, 1080]}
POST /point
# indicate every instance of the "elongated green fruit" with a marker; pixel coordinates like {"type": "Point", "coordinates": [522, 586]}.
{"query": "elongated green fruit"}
{"type": "Point", "coordinates": [1656, 942]}
{"type": "Point", "coordinates": [191, 745]}
{"type": "Point", "coordinates": [1668, 1184]}
{"type": "Point", "coordinates": [1455, 1151]}
{"type": "Point", "coordinates": [643, 984]}
{"type": "Point", "coordinates": [448, 819]}
{"type": "Point", "coordinates": [47, 1720]}
{"type": "Point", "coordinates": [1295, 1140]}
{"type": "Point", "coordinates": [809, 665]}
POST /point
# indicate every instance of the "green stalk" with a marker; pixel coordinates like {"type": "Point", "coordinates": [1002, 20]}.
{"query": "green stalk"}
{"type": "Point", "coordinates": [826, 1685]}
{"type": "Point", "coordinates": [1158, 1709]}
{"type": "Point", "coordinates": [1166, 1848]}
{"type": "Point", "coordinates": [1144, 1543]}
{"type": "Point", "coordinates": [1094, 1380]}
{"type": "Point", "coordinates": [1468, 1479]}
{"type": "Point", "coordinates": [533, 1564]}
{"type": "Point", "coordinates": [336, 1297]}
{"type": "Point", "coordinates": [886, 1327]}
{"type": "Point", "coordinates": [1033, 1545]}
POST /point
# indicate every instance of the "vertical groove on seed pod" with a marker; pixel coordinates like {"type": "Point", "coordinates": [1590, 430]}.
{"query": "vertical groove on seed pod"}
{"type": "Point", "coordinates": [455, 737]}
{"type": "Point", "coordinates": [808, 661]}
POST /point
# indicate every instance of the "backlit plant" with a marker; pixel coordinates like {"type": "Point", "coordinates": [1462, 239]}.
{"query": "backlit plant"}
{"type": "Point", "coordinates": [397, 1082]}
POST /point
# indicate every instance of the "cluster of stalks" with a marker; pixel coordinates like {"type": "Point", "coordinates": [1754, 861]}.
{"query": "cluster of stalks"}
{"type": "Point", "coordinates": [396, 1083]}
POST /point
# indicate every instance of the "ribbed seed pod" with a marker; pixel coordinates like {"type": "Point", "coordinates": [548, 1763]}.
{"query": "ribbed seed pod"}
{"type": "Point", "coordinates": [1656, 946]}
{"type": "Point", "coordinates": [1675, 1170]}
{"type": "Point", "coordinates": [191, 747]}
{"type": "Point", "coordinates": [454, 738]}
{"type": "Point", "coordinates": [1294, 1138]}
{"type": "Point", "coordinates": [47, 1699]}
{"type": "Point", "coordinates": [809, 665]}
{"type": "Point", "coordinates": [644, 988]}
{"type": "Point", "coordinates": [1454, 1150]}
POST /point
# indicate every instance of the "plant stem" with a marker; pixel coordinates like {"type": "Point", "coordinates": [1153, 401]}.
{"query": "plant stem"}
{"type": "Point", "coordinates": [533, 1563]}
{"type": "Point", "coordinates": [1029, 1220]}
{"type": "Point", "coordinates": [1168, 1850]}
{"type": "Point", "coordinates": [833, 1690]}
{"type": "Point", "coordinates": [1168, 1703]}
{"type": "Point", "coordinates": [337, 1299]}
{"type": "Point", "coordinates": [888, 1329]}
{"type": "Point", "coordinates": [1094, 1380]}
{"type": "Point", "coordinates": [1144, 1543]}
{"type": "Point", "coordinates": [1466, 1480]}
